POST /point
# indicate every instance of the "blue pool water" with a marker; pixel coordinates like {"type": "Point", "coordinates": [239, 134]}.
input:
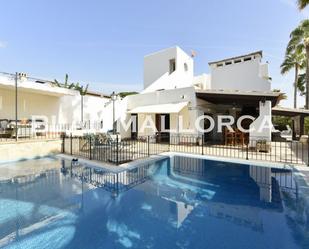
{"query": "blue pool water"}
{"type": "Point", "coordinates": [174, 203]}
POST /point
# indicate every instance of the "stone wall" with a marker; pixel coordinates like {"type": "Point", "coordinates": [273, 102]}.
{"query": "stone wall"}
{"type": "Point", "coordinates": [15, 151]}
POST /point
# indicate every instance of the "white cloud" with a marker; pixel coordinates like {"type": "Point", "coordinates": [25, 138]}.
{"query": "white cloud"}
{"type": "Point", "coordinates": [3, 44]}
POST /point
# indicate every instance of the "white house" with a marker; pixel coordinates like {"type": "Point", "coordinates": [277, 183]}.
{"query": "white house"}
{"type": "Point", "coordinates": [235, 86]}
{"type": "Point", "coordinates": [43, 100]}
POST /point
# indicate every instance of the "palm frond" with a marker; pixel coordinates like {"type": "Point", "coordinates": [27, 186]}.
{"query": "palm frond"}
{"type": "Point", "coordinates": [71, 86]}
{"type": "Point", "coordinates": [302, 4]}
{"type": "Point", "coordinates": [57, 83]}
{"type": "Point", "coordinates": [66, 79]}
{"type": "Point", "coordinates": [289, 63]}
{"type": "Point", "coordinates": [301, 83]}
{"type": "Point", "coordinates": [305, 24]}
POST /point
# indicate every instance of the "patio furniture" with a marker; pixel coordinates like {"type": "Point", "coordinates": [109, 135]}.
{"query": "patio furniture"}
{"type": "Point", "coordinates": [303, 139]}
{"type": "Point", "coordinates": [276, 136]}
{"type": "Point", "coordinates": [3, 124]}
{"type": "Point", "coordinates": [263, 146]}
{"type": "Point", "coordinates": [287, 134]}
{"type": "Point", "coordinates": [39, 126]}
{"type": "Point", "coordinates": [22, 130]}
{"type": "Point", "coordinates": [229, 137]}
{"type": "Point", "coordinates": [239, 138]}
{"type": "Point", "coordinates": [5, 131]}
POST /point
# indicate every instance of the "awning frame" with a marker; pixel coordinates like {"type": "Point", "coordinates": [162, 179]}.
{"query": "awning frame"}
{"type": "Point", "coordinates": [166, 108]}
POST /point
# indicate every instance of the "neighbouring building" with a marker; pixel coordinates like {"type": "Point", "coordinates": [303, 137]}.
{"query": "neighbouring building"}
{"type": "Point", "coordinates": [44, 100]}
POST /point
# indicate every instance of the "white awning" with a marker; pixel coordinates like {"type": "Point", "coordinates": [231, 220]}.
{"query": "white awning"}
{"type": "Point", "coordinates": [163, 108]}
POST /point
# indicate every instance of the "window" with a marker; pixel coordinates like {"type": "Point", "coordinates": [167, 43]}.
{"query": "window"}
{"type": "Point", "coordinates": [172, 65]}
{"type": "Point", "coordinates": [247, 59]}
{"type": "Point", "coordinates": [219, 65]}
{"type": "Point", "coordinates": [228, 63]}
{"type": "Point", "coordinates": [237, 61]}
{"type": "Point", "coordinates": [186, 67]}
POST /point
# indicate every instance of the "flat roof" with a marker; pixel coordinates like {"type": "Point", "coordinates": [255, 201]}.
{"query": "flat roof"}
{"type": "Point", "coordinates": [162, 50]}
{"type": "Point", "coordinates": [291, 112]}
{"type": "Point", "coordinates": [260, 52]}
{"type": "Point", "coordinates": [227, 97]}
{"type": "Point", "coordinates": [42, 83]}
{"type": "Point", "coordinates": [160, 108]}
{"type": "Point", "coordinates": [97, 94]}
{"type": "Point", "coordinates": [238, 92]}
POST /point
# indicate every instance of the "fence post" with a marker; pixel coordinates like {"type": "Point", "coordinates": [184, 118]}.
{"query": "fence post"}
{"type": "Point", "coordinates": [148, 145]}
{"type": "Point", "coordinates": [203, 144]}
{"type": "Point", "coordinates": [63, 144]}
{"type": "Point", "coordinates": [169, 142]}
{"type": "Point", "coordinates": [117, 149]}
{"type": "Point", "coordinates": [71, 144]}
{"type": "Point", "coordinates": [71, 171]}
{"type": "Point", "coordinates": [308, 151]}
{"type": "Point", "coordinates": [115, 185]}
{"type": "Point", "coordinates": [90, 154]}
{"type": "Point", "coordinates": [247, 151]}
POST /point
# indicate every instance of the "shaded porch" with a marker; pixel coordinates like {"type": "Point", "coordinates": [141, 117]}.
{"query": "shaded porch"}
{"type": "Point", "coordinates": [298, 119]}
{"type": "Point", "coordinates": [236, 104]}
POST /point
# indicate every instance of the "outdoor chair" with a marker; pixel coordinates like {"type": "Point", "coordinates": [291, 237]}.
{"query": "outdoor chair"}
{"type": "Point", "coordinates": [303, 139]}
{"type": "Point", "coordinates": [3, 124]}
{"type": "Point", "coordinates": [239, 138]}
{"type": "Point", "coordinates": [123, 149]}
{"type": "Point", "coordinates": [263, 146]}
{"type": "Point", "coordinates": [22, 130]}
{"type": "Point", "coordinates": [229, 137]}
{"type": "Point", "coordinates": [5, 131]}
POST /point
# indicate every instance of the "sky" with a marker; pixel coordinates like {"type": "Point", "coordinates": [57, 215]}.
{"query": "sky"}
{"type": "Point", "coordinates": [103, 42]}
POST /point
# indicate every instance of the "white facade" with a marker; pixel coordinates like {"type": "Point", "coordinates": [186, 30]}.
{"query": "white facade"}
{"type": "Point", "coordinates": [262, 126]}
{"type": "Point", "coordinates": [171, 65]}
{"type": "Point", "coordinates": [169, 78]}
{"type": "Point", "coordinates": [172, 96]}
{"type": "Point", "coordinates": [54, 104]}
{"type": "Point", "coordinates": [243, 73]}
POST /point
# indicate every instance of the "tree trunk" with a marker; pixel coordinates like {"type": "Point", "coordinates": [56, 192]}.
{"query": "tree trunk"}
{"type": "Point", "coordinates": [295, 85]}
{"type": "Point", "coordinates": [307, 78]}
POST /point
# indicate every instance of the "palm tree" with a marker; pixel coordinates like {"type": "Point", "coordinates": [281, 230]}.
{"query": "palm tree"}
{"type": "Point", "coordinates": [294, 61]}
{"type": "Point", "coordinates": [299, 43]}
{"type": "Point", "coordinates": [302, 3]}
{"type": "Point", "coordinates": [77, 86]}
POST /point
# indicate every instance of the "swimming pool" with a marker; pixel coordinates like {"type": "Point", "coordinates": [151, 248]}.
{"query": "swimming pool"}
{"type": "Point", "coordinates": [177, 202]}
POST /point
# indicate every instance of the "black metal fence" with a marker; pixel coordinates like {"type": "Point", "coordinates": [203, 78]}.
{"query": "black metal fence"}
{"type": "Point", "coordinates": [113, 151]}
{"type": "Point", "coordinates": [294, 152]}
{"type": "Point", "coordinates": [120, 151]}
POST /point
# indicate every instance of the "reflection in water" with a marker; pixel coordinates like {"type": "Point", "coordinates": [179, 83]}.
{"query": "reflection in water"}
{"type": "Point", "coordinates": [240, 180]}
{"type": "Point", "coordinates": [177, 203]}
{"type": "Point", "coordinates": [33, 205]}
{"type": "Point", "coordinates": [199, 180]}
